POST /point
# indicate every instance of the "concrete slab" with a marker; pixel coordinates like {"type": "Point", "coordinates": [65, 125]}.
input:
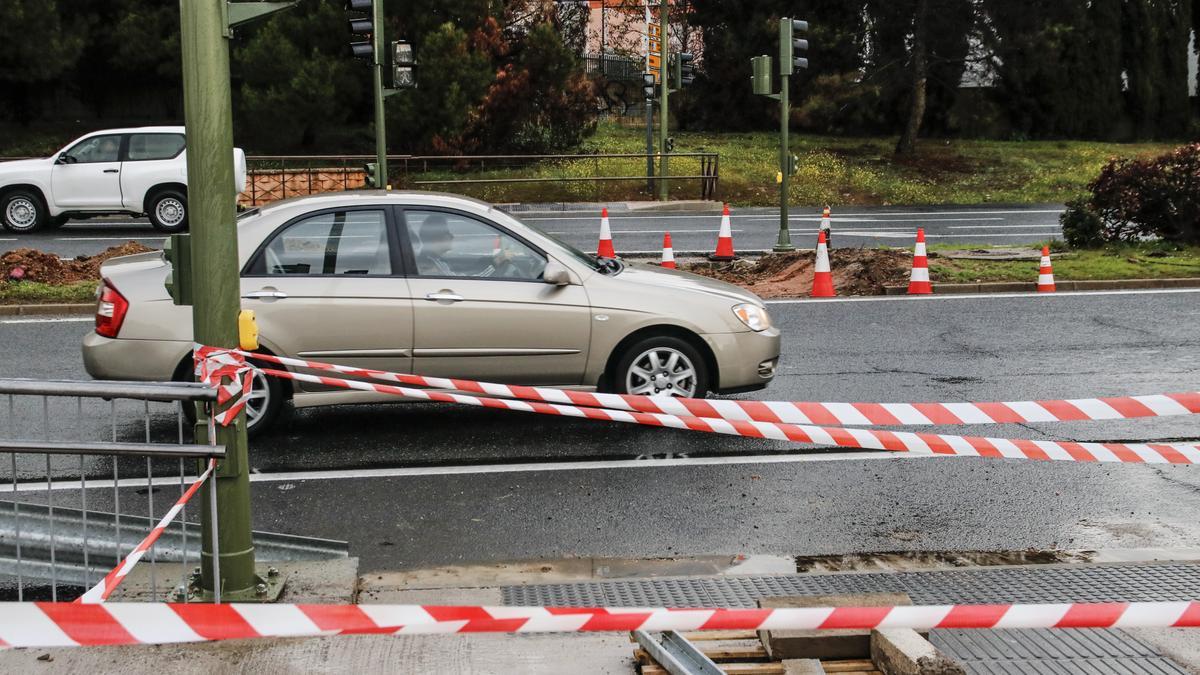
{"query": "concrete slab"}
{"type": "Point", "coordinates": [824, 644]}
{"type": "Point", "coordinates": [902, 651]}
{"type": "Point", "coordinates": [319, 581]}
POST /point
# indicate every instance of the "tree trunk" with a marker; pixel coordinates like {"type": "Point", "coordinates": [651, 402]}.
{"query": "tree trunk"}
{"type": "Point", "coordinates": [920, 73]}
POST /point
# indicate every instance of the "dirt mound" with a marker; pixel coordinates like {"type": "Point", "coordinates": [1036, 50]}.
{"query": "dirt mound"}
{"type": "Point", "coordinates": [47, 268]}
{"type": "Point", "coordinates": [789, 275]}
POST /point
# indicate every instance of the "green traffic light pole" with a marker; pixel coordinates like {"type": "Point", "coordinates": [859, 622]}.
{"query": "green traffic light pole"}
{"type": "Point", "coordinates": [664, 40]}
{"type": "Point", "coordinates": [784, 243]}
{"type": "Point", "coordinates": [381, 170]}
{"type": "Point", "coordinates": [205, 25]}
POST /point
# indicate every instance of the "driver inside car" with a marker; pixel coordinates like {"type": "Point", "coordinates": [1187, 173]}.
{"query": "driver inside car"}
{"type": "Point", "coordinates": [437, 241]}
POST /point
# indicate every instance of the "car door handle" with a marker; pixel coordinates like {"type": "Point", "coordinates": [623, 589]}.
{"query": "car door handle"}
{"type": "Point", "coordinates": [278, 295]}
{"type": "Point", "coordinates": [112, 171]}
{"type": "Point", "coordinates": [444, 296]}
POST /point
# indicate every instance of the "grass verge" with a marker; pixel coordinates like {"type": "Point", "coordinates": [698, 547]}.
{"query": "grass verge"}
{"type": "Point", "coordinates": [34, 293]}
{"type": "Point", "coordinates": [1141, 261]}
{"type": "Point", "coordinates": [833, 170]}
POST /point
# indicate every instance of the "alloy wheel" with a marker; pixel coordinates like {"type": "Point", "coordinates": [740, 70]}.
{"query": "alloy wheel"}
{"type": "Point", "coordinates": [661, 371]}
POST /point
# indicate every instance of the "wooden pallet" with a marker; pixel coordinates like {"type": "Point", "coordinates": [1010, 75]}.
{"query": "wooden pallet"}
{"type": "Point", "coordinates": [742, 653]}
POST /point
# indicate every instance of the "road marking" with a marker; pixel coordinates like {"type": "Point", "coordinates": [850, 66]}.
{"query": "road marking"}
{"type": "Point", "coordinates": [908, 235]}
{"type": "Point", "coordinates": [843, 220]}
{"type": "Point", "coordinates": [1000, 227]}
{"type": "Point", "coordinates": [135, 238]}
{"type": "Point", "coordinates": [710, 230]}
{"type": "Point", "coordinates": [475, 469]}
{"type": "Point", "coordinates": [836, 216]}
{"type": "Point", "coordinates": [64, 319]}
{"type": "Point", "coordinates": [980, 296]}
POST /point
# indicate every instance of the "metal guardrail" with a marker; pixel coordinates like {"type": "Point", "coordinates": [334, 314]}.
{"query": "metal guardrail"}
{"type": "Point", "coordinates": [44, 540]}
{"type": "Point", "coordinates": [297, 175]}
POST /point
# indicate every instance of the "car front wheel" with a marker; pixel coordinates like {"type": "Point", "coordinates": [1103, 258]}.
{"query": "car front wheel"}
{"type": "Point", "coordinates": [23, 211]}
{"type": "Point", "coordinates": [262, 407]}
{"type": "Point", "coordinates": [168, 211]}
{"type": "Point", "coordinates": [661, 366]}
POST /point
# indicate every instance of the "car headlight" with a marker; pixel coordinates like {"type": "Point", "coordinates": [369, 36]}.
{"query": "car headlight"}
{"type": "Point", "coordinates": [755, 317]}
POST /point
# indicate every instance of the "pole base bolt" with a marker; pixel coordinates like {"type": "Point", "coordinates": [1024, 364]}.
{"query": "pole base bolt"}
{"type": "Point", "coordinates": [261, 589]}
{"type": "Point", "coordinates": [272, 572]}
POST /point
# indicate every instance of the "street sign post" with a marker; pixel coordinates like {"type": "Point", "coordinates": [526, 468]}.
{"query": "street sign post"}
{"type": "Point", "coordinates": [663, 96]}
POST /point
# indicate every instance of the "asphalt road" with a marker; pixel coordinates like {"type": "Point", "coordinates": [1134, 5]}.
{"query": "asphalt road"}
{"type": "Point", "coordinates": [416, 485]}
{"type": "Point", "coordinates": [641, 232]}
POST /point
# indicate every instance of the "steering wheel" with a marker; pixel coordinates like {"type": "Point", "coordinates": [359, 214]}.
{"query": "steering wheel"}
{"type": "Point", "coordinates": [274, 265]}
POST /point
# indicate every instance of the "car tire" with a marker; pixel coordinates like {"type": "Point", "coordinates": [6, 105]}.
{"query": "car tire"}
{"type": "Point", "coordinates": [23, 211]}
{"type": "Point", "coordinates": [55, 222]}
{"type": "Point", "coordinates": [688, 376]}
{"type": "Point", "coordinates": [167, 211]}
{"type": "Point", "coordinates": [259, 417]}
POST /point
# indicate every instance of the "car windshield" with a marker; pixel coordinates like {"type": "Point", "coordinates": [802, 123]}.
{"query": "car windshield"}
{"type": "Point", "coordinates": [601, 265]}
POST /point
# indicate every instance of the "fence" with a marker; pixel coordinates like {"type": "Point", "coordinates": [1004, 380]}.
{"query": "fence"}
{"type": "Point", "coordinates": [64, 528]}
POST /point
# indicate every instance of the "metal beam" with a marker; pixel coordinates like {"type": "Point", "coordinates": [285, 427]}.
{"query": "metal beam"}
{"type": "Point", "coordinates": [676, 654]}
{"type": "Point", "coordinates": [142, 391]}
{"type": "Point", "coordinates": [169, 450]}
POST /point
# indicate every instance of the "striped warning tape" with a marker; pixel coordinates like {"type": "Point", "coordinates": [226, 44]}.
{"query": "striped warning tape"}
{"type": "Point", "coordinates": [106, 586]}
{"type": "Point", "coordinates": [212, 366]}
{"type": "Point", "coordinates": [65, 624]}
{"type": "Point", "coordinates": [800, 412]}
{"type": "Point", "coordinates": [868, 439]}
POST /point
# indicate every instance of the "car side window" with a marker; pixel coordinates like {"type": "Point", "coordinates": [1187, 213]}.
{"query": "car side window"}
{"type": "Point", "coordinates": [336, 243]}
{"type": "Point", "coordinates": [154, 146]}
{"type": "Point", "coordinates": [96, 149]}
{"type": "Point", "coordinates": [455, 245]}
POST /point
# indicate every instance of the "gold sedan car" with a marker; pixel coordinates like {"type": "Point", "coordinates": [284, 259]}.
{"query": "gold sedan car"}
{"type": "Point", "coordinates": [441, 285]}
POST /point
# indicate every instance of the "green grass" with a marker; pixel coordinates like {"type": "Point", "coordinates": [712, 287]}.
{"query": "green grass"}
{"type": "Point", "coordinates": [833, 170]}
{"type": "Point", "coordinates": [34, 293]}
{"type": "Point", "coordinates": [1143, 261]}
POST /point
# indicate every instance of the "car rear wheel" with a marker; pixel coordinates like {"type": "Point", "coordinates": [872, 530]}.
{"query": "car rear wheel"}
{"type": "Point", "coordinates": [662, 366]}
{"type": "Point", "coordinates": [55, 222]}
{"type": "Point", "coordinates": [262, 407]}
{"type": "Point", "coordinates": [23, 211]}
{"type": "Point", "coordinates": [168, 211]}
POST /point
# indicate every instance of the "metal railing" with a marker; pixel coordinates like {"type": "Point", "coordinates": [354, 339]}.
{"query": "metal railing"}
{"type": "Point", "coordinates": [64, 527]}
{"type": "Point", "coordinates": [273, 177]}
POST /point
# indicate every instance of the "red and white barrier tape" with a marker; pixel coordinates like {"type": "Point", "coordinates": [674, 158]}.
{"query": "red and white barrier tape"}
{"type": "Point", "coordinates": [801, 412]}
{"type": "Point", "coordinates": [213, 365]}
{"type": "Point", "coordinates": [65, 624]}
{"type": "Point", "coordinates": [867, 439]}
{"type": "Point", "coordinates": [106, 586]}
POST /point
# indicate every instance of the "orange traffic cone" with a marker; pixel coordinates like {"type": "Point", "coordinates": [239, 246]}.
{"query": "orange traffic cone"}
{"type": "Point", "coordinates": [918, 283]}
{"type": "Point", "coordinates": [822, 277]}
{"type": "Point", "coordinates": [1045, 273]}
{"type": "Point", "coordinates": [605, 249]}
{"type": "Point", "coordinates": [826, 227]}
{"type": "Point", "coordinates": [724, 239]}
{"type": "Point", "coordinates": [668, 255]}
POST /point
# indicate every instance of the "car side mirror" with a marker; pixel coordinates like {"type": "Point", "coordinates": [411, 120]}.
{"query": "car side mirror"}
{"type": "Point", "coordinates": [556, 274]}
{"type": "Point", "coordinates": [64, 158]}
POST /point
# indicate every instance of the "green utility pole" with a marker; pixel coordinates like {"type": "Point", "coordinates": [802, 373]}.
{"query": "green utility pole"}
{"type": "Point", "coordinates": [377, 72]}
{"type": "Point", "coordinates": [209, 118]}
{"type": "Point", "coordinates": [664, 39]}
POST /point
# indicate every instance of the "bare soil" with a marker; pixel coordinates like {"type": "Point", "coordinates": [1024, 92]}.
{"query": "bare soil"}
{"type": "Point", "coordinates": [48, 268]}
{"type": "Point", "coordinates": [790, 275]}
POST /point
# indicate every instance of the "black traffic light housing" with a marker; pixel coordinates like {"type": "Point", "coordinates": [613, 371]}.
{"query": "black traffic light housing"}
{"type": "Point", "coordinates": [404, 65]}
{"type": "Point", "coordinates": [362, 25]}
{"type": "Point", "coordinates": [685, 69]}
{"type": "Point", "coordinates": [371, 169]}
{"type": "Point", "coordinates": [648, 85]}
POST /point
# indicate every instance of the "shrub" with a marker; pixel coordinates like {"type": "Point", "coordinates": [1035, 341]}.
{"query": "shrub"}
{"type": "Point", "coordinates": [1133, 199]}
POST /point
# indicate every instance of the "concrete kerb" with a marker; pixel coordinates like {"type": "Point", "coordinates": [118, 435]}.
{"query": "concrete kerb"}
{"type": "Point", "coordinates": [51, 309]}
{"type": "Point", "coordinates": [1031, 286]}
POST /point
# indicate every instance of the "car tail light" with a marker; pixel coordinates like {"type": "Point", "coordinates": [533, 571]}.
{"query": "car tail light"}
{"type": "Point", "coordinates": [111, 307]}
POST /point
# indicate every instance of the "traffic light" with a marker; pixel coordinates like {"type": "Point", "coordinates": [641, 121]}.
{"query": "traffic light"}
{"type": "Point", "coordinates": [791, 47]}
{"type": "Point", "coordinates": [178, 251]}
{"type": "Point", "coordinates": [793, 165]}
{"type": "Point", "coordinates": [362, 25]}
{"type": "Point", "coordinates": [760, 80]}
{"type": "Point", "coordinates": [371, 169]}
{"type": "Point", "coordinates": [404, 64]}
{"type": "Point", "coordinates": [685, 69]}
{"type": "Point", "coordinates": [670, 144]}
{"type": "Point", "coordinates": [648, 84]}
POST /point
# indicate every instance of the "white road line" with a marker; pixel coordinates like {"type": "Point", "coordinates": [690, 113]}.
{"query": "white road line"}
{"type": "Point", "coordinates": [134, 237]}
{"type": "Point", "coordinates": [64, 319]}
{"type": "Point", "coordinates": [845, 219]}
{"type": "Point", "coordinates": [836, 216]}
{"type": "Point", "coordinates": [476, 469]}
{"type": "Point", "coordinates": [712, 230]}
{"type": "Point", "coordinates": [1001, 227]}
{"type": "Point", "coordinates": [980, 296]}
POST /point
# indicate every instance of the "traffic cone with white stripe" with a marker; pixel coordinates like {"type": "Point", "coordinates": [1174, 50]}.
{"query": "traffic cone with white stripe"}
{"type": "Point", "coordinates": [605, 249]}
{"type": "Point", "coordinates": [1045, 273]}
{"type": "Point", "coordinates": [724, 239]}
{"type": "Point", "coordinates": [827, 227]}
{"type": "Point", "coordinates": [918, 283]}
{"type": "Point", "coordinates": [668, 255]}
{"type": "Point", "coordinates": [822, 276]}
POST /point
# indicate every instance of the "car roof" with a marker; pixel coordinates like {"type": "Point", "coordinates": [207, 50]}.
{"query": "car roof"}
{"type": "Point", "coordinates": [140, 130]}
{"type": "Point", "coordinates": [382, 197]}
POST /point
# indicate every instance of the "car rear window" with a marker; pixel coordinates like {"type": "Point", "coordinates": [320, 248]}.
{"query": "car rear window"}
{"type": "Point", "coordinates": [154, 146]}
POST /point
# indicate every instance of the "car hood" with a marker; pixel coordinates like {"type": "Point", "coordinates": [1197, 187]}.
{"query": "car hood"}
{"type": "Point", "coordinates": [17, 166]}
{"type": "Point", "coordinates": [645, 274]}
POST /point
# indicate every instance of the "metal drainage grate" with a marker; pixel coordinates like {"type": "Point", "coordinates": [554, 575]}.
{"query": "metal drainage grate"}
{"type": "Point", "coordinates": [998, 651]}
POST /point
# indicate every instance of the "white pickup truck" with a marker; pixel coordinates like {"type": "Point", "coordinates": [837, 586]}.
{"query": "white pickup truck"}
{"type": "Point", "coordinates": [140, 171]}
